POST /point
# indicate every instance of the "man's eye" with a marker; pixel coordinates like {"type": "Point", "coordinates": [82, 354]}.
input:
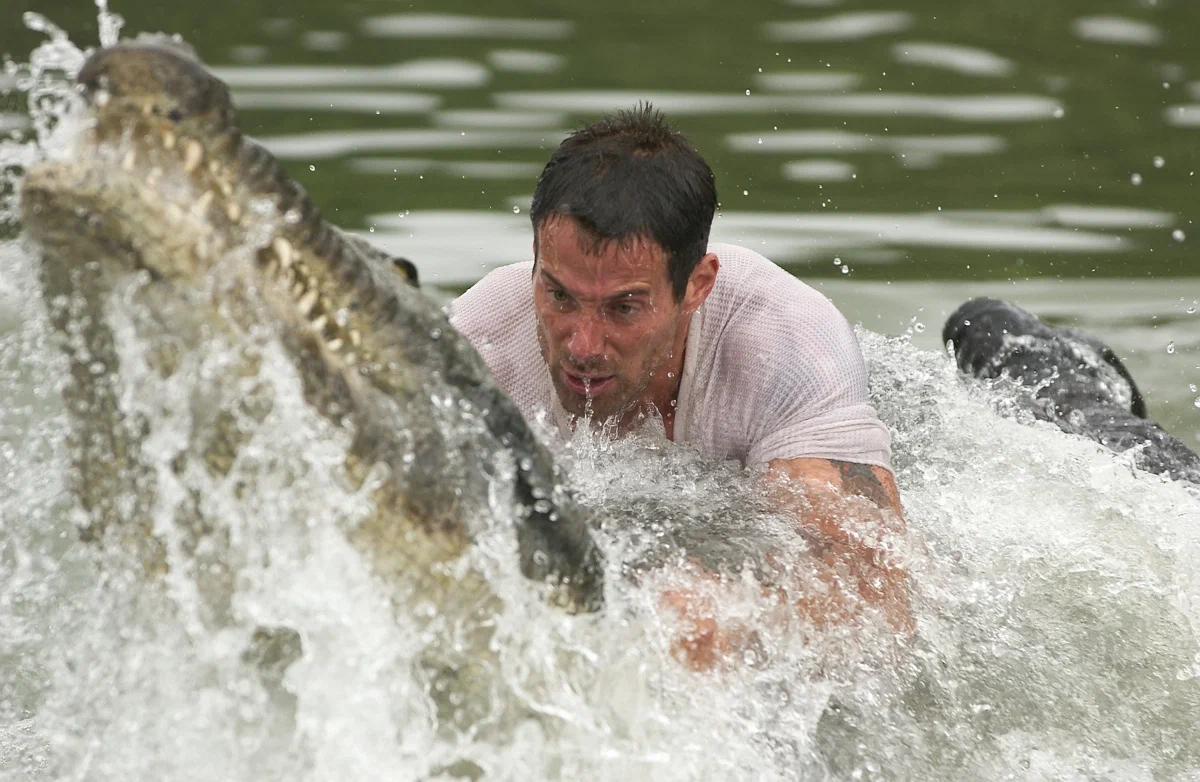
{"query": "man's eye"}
{"type": "Point", "coordinates": [558, 296]}
{"type": "Point", "coordinates": [626, 309]}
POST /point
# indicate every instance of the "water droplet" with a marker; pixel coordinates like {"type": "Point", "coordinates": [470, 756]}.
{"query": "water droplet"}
{"type": "Point", "coordinates": [516, 210]}
{"type": "Point", "coordinates": [1178, 235]}
{"type": "Point", "coordinates": [837, 261]}
{"type": "Point", "coordinates": [1136, 179]}
{"type": "Point", "coordinates": [747, 92]}
{"type": "Point", "coordinates": [312, 167]}
{"type": "Point", "coordinates": [1170, 347]}
{"type": "Point", "coordinates": [1159, 161]}
{"type": "Point", "coordinates": [760, 141]}
{"type": "Point", "coordinates": [1192, 387]}
{"type": "Point", "coordinates": [745, 192]}
{"type": "Point", "coordinates": [1197, 402]}
{"type": "Point", "coordinates": [918, 327]}
{"type": "Point", "coordinates": [1059, 112]}
{"type": "Point", "coordinates": [845, 270]}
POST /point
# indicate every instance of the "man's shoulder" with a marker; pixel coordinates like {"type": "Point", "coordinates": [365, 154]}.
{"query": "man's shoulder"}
{"type": "Point", "coordinates": [501, 281]}
{"type": "Point", "coordinates": [496, 315]}
{"type": "Point", "coordinates": [503, 293]}
{"type": "Point", "coordinates": [756, 297]}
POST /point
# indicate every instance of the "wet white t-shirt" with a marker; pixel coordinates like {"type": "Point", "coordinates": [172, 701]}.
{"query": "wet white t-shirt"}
{"type": "Point", "coordinates": [771, 370]}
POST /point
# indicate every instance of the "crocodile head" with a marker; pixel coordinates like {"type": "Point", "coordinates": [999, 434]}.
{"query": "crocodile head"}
{"type": "Point", "coordinates": [134, 179]}
{"type": "Point", "coordinates": [158, 178]}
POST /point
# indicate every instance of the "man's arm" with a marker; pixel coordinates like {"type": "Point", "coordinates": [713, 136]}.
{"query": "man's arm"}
{"type": "Point", "coordinates": [846, 533]}
{"type": "Point", "coordinates": [843, 532]}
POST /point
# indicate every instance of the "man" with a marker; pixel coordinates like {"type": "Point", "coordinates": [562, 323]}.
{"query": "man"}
{"type": "Point", "coordinates": [627, 314]}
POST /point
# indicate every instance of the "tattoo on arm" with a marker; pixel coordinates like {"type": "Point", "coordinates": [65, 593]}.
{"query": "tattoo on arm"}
{"type": "Point", "coordinates": [860, 479]}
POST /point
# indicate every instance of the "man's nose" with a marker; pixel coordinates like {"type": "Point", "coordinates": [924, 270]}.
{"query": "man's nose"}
{"type": "Point", "coordinates": [587, 338]}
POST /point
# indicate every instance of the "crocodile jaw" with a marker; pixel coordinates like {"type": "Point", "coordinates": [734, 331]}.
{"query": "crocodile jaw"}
{"type": "Point", "coordinates": [99, 201]}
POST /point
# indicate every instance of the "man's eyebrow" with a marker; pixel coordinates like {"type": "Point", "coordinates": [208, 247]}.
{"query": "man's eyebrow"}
{"type": "Point", "coordinates": [637, 290]}
{"type": "Point", "coordinates": [553, 280]}
{"type": "Point", "coordinates": [640, 289]}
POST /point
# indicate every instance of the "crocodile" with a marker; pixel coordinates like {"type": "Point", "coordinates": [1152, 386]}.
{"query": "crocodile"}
{"type": "Point", "coordinates": [1077, 382]}
{"type": "Point", "coordinates": [158, 183]}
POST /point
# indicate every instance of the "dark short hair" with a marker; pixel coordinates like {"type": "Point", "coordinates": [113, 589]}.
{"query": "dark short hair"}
{"type": "Point", "coordinates": [632, 176]}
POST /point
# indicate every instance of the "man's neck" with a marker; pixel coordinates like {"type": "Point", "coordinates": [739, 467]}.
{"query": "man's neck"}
{"type": "Point", "coordinates": [663, 393]}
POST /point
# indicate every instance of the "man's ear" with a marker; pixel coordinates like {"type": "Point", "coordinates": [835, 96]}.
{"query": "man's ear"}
{"type": "Point", "coordinates": [700, 284]}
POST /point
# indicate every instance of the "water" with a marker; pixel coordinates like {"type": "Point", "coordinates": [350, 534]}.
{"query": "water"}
{"type": "Point", "coordinates": [950, 143]}
{"type": "Point", "coordinates": [1053, 585]}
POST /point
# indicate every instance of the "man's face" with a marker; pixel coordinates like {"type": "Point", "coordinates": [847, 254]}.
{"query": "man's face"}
{"type": "Point", "coordinates": [608, 324]}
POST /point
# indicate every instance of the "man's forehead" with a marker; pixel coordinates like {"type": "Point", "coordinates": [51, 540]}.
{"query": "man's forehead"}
{"type": "Point", "coordinates": [562, 241]}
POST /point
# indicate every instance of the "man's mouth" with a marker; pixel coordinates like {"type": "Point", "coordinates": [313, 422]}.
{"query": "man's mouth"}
{"type": "Point", "coordinates": [587, 386]}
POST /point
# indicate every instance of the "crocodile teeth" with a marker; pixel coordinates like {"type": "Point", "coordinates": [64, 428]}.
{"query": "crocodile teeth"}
{"type": "Point", "coordinates": [130, 159]}
{"type": "Point", "coordinates": [308, 301]}
{"type": "Point", "coordinates": [283, 248]}
{"type": "Point", "coordinates": [193, 153]}
{"type": "Point", "coordinates": [203, 202]}
{"type": "Point", "coordinates": [355, 337]}
{"type": "Point", "coordinates": [334, 344]}
{"type": "Point", "coordinates": [168, 140]}
{"type": "Point", "coordinates": [320, 323]}
{"type": "Point", "coordinates": [233, 211]}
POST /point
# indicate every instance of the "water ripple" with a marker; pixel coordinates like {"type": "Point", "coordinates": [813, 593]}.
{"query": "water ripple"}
{"type": "Point", "coordinates": [524, 61]}
{"type": "Point", "coordinates": [818, 170]}
{"type": "Point", "coordinates": [840, 27]}
{"type": "Point", "coordinates": [1117, 29]}
{"type": "Point", "coordinates": [354, 102]}
{"type": "Point", "coordinates": [1185, 116]}
{"type": "Point", "coordinates": [845, 141]}
{"type": "Point", "coordinates": [966, 60]}
{"type": "Point", "coordinates": [307, 146]}
{"type": "Point", "coordinates": [806, 81]}
{"type": "Point", "coordinates": [492, 118]}
{"type": "Point", "coordinates": [462, 26]}
{"type": "Point", "coordinates": [459, 247]}
{"type": "Point", "coordinates": [466, 169]}
{"type": "Point", "coordinates": [965, 108]}
{"type": "Point", "coordinates": [447, 72]}
{"type": "Point", "coordinates": [324, 40]}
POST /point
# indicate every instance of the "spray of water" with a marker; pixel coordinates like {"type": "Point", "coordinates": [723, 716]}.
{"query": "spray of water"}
{"type": "Point", "coordinates": [1053, 584]}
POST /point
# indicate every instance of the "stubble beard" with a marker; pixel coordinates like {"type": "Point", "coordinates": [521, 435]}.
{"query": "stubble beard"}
{"type": "Point", "coordinates": [614, 404]}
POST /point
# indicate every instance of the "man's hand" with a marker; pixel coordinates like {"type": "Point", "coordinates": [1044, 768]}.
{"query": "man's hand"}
{"type": "Point", "coordinates": [825, 496]}
{"type": "Point", "coordinates": [848, 535]}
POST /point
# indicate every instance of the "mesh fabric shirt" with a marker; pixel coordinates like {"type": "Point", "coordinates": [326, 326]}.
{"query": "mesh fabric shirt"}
{"type": "Point", "coordinates": [772, 370]}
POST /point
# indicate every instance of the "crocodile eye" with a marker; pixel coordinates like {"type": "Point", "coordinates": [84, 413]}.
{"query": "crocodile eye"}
{"type": "Point", "coordinates": [175, 115]}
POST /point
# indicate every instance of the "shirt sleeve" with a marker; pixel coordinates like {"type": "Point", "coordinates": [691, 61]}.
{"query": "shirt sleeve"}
{"type": "Point", "coordinates": [817, 403]}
